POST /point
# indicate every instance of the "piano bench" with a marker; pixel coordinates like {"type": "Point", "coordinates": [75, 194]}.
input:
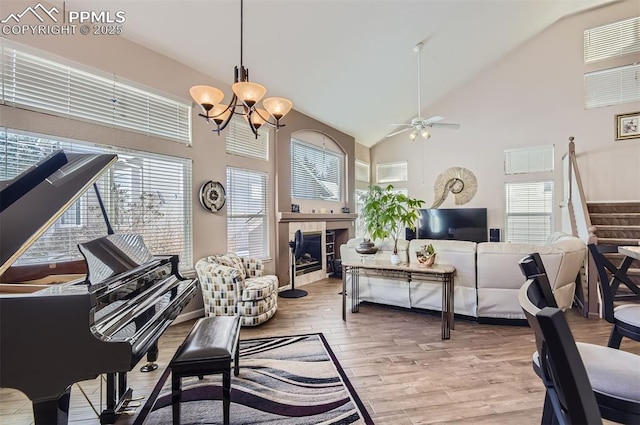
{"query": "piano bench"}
{"type": "Point", "coordinates": [208, 349]}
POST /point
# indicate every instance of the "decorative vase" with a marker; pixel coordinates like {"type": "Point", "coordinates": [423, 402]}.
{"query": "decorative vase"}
{"type": "Point", "coordinates": [366, 247]}
{"type": "Point", "coordinates": [395, 259]}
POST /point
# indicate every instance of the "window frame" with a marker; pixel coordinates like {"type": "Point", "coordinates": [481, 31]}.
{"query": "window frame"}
{"type": "Point", "coordinates": [91, 221]}
{"type": "Point", "coordinates": [402, 173]}
{"type": "Point", "coordinates": [314, 149]}
{"type": "Point", "coordinates": [233, 198]}
{"type": "Point", "coordinates": [42, 82]}
{"type": "Point", "coordinates": [548, 212]}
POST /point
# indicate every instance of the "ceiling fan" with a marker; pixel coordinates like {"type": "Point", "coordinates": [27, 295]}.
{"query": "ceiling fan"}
{"type": "Point", "coordinates": [420, 125]}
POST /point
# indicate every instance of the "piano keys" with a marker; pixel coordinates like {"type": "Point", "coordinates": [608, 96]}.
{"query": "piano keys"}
{"type": "Point", "coordinates": [104, 323]}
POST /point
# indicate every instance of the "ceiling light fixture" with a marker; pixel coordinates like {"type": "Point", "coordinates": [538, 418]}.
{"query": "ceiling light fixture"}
{"type": "Point", "coordinates": [246, 96]}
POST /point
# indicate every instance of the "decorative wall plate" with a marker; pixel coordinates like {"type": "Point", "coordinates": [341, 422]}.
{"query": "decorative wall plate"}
{"type": "Point", "coordinates": [212, 196]}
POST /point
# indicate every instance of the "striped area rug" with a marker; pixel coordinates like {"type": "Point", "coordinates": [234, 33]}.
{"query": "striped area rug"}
{"type": "Point", "coordinates": [283, 380]}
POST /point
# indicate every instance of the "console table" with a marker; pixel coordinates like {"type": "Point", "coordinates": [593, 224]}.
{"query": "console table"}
{"type": "Point", "coordinates": [442, 273]}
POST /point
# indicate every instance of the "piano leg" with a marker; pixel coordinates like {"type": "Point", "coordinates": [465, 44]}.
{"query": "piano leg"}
{"type": "Point", "coordinates": [108, 415]}
{"type": "Point", "coordinates": [52, 411]}
{"type": "Point", "coordinates": [116, 397]}
{"type": "Point", "coordinates": [152, 357]}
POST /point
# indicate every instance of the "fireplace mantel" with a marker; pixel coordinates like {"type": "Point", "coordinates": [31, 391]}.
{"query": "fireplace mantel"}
{"type": "Point", "coordinates": [288, 217]}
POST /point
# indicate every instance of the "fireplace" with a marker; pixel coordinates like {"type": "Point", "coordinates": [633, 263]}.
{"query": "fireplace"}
{"type": "Point", "coordinates": [310, 259]}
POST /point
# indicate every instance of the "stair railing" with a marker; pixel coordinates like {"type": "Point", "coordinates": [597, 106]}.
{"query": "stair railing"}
{"type": "Point", "coordinates": [576, 220]}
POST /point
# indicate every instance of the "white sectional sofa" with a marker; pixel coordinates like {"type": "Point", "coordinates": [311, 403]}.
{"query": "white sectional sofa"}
{"type": "Point", "coordinates": [487, 276]}
{"type": "Point", "coordinates": [500, 278]}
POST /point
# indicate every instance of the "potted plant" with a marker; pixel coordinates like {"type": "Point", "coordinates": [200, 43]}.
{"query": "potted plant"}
{"type": "Point", "coordinates": [386, 212]}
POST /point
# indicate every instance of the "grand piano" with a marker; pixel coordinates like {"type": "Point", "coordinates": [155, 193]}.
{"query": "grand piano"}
{"type": "Point", "coordinates": [104, 323]}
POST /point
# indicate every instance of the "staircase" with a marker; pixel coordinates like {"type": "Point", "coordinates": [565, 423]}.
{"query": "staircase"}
{"type": "Point", "coordinates": [617, 223]}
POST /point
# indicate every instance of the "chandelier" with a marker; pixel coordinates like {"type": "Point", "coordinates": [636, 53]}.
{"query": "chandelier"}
{"type": "Point", "coordinates": [246, 96]}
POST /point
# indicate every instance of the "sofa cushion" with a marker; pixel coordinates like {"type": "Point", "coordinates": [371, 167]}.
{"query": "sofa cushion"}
{"type": "Point", "coordinates": [232, 260]}
{"type": "Point", "coordinates": [257, 288]}
{"type": "Point", "coordinates": [257, 307]}
{"type": "Point", "coordinates": [259, 318]}
{"type": "Point", "coordinates": [253, 267]}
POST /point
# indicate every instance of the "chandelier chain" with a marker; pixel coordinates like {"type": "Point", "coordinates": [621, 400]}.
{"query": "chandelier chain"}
{"type": "Point", "coordinates": [245, 99]}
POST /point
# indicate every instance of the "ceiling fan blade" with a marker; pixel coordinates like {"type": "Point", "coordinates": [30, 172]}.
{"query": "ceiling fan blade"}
{"type": "Point", "coordinates": [397, 125]}
{"type": "Point", "coordinates": [398, 132]}
{"type": "Point", "coordinates": [431, 120]}
{"type": "Point", "coordinates": [444, 124]}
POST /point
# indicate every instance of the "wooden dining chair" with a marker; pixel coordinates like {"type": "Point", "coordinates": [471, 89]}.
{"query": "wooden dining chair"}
{"type": "Point", "coordinates": [614, 374]}
{"type": "Point", "coordinates": [563, 364]}
{"type": "Point", "coordinates": [618, 273]}
{"type": "Point", "coordinates": [532, 267]}
{"type": "Point", "coordinates": [624, 317]}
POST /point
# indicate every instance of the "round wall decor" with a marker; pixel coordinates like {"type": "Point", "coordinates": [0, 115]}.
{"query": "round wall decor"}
{"type": "Point", "coordinates": [457, 180]}
{"type": "Point", "coordinates": [212, 196]}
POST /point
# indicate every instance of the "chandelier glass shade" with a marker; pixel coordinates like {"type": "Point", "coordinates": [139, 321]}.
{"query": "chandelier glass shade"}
{"type": "Point", "coordinates": [245, 100]}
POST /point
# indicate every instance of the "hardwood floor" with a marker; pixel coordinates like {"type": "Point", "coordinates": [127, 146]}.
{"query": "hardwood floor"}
{"type": "Point", "coordinates": [401, 369]}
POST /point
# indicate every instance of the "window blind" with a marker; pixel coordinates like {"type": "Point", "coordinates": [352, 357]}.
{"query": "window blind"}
{"type": "Point", "coordinates": [360, 227]}
{"type": "Point", "coordinates": [138, 196]}
{"type": "Point", "coordinates": [612, 86]}
{"type": "Point", "coordinates": [35, 83]}
{"type": "Point", "coordinates": [612, 40]}
{"type": "Point", "coordinates": [529, 211]}
{"type": "Point", "coordinates": [528, 160]}
{"type": "Point", "coordinates": [316, 173]}
{"type": "Point", "coordinates": [391, 172]}
{"type": "Point", "coordinates": [363, 171]}
{"type": "Point", "coordinates": [242, 142]}
{"type": "Point", "coordinates": [247, 213]}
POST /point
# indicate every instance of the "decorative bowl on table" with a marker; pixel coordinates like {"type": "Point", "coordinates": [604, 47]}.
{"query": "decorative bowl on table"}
{"type": "Point", "coordinates": [426, 260]}
{"type": "Point", "coordinates": [426, 256]}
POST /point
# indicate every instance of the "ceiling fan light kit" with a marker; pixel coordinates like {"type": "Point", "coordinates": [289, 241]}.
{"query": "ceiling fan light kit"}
{"type": "Point", "coordinates": [419, 125]}
{"type": "Point", "coordinates": [246, 96]}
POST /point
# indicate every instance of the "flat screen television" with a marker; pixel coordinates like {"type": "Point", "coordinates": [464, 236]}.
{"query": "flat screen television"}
{"type": "Point", "coordinates": [462, 224]}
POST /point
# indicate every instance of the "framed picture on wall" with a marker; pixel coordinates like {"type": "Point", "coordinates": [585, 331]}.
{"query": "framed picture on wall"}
{"type": "Point", "coordinates": [627, 126]}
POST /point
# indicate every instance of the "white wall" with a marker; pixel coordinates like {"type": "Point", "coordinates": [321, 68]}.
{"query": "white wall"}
{"type": "Point", "coordinates": [534, 96]}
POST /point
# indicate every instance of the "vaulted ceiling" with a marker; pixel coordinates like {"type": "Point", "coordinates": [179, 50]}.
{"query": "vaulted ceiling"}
{"type": "Point", "coordinates": [347, 63]}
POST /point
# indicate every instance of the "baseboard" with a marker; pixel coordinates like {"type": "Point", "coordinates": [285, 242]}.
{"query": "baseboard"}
{"type": "Point", "coordinates": [185, 317]}
{"type": "Point", "coordinates": [438, 313]}
{"type": "Point", "coordinates": [502, 321]}
{"type": "Point", "coordinates": [286, 287]}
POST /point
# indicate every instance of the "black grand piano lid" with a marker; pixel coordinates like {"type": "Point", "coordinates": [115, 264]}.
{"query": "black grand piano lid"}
{"type": "Point", "coordinates": [31, 202]}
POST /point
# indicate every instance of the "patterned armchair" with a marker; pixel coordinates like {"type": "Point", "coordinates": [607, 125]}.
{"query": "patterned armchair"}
{"type": "Point", "coordinates": [232, 285]}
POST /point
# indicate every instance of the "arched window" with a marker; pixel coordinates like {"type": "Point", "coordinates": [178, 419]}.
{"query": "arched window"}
{"type": "Point", "coordinates": [317, 167]}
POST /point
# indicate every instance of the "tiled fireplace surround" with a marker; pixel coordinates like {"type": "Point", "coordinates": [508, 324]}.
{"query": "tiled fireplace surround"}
{"type": "Point", "coordinates": [289, 223]}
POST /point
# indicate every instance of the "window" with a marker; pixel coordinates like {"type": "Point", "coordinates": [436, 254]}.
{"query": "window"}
{"type": "Point", "coordinates": [247, 213]}
{"type": "Point", "coordinates": [529, 208]}
{"type": "Point", "coordinates": [137, 195]}
{"type": "Point", "coordinates": [39, 84]}
{"type": "Point", "coordinates": [360, 230]}
{"type": "Point", "coordinates": [316, 172]}
{"type": "Point", "coordinates": [362, 171]}
{"type": "Point", "coordinates": [528, 160]}
{"type": "Point", "coordinates": [392, 172]}
{"type": "Point", "coordinates": [612, 86]}
{"type": "Point", "coordinates": [242, 142]}
{"type": "Point", "coordinates": [612, 40]}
